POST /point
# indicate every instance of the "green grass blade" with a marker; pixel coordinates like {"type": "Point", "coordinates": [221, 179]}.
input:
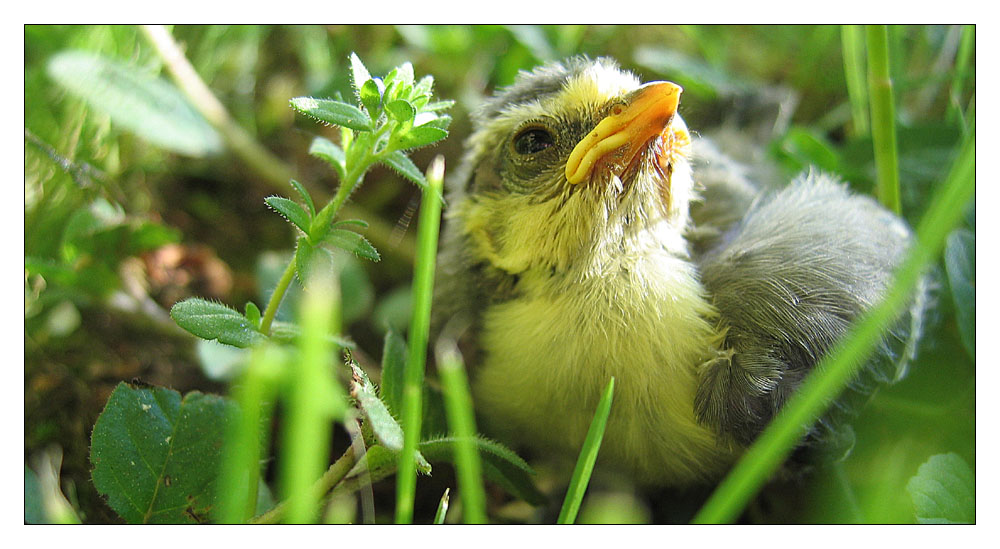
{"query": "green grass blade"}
{"type": "Point", "coordinates": [588, 456]}
{"type": "Point", "coordinates": [853, 44]}
{"type": "Point", "coordinates": [962, 60]}
{"type": "Point", "coordinates": [833, 373]}
{"type": "Point", "coordinates": [245, 437]}
{"type": "Point", "coordinates": [313, 401]}
{"type": "Point", "coordinates": [883, 108]}
{"type": "Point", "coordinates": [462, 423]}
{"type": "Point", "coordinates": [442, 509]}
{"type": "Point", "coordinates": [413, 376]}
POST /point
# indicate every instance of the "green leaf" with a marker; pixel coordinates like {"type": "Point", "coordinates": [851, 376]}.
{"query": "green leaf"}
{"type": "Point", "coordinates": [371, 97]}
{"type": "Point", "coordinates": [385, 427]}
{"type": "Point", "coordinates": [442, 509]}
{"type": "Point", "coordinates": [943, 491]}
{"type": "Point", "coordinates": [420, 136]}
{"type": "Point", "coordinates": [290, 211]}
{"type": "Point", "coordinates": [500, 464]}
{"type": "Point", "coordinates": [393, 361]}
{"type": "Point", "coordinates": [305, 194]}
{"type": "Point", "coordinates": [252, 313]}
{"type": "Point", "coordinates": [399, 162]}
{"type": "Point", "coordinates": [960, 263]}
{"type": "Point", "coordinates": [137, 101]}
{"type": "Point", "coordinates": [439, 105]}
{"type": "Point", "coordinates": [332, 153]}
{"type": "Point", "coordinates": [359, 74]}
{"type": "Point", "coordinates": [588, 457]}
{"type": "Point", "coordinates": [333, 112]}
{"type": "Point", "coordinates": [401, 110]}
{"type": "Point", "coordinates": [211, 320]}
{"type": "Point", "coordinates": [156, 456]}
{"type": "Point", "coordinates": [307, 256]}
{"type": "Point", "coordinates": [357, 222]}
{"type": "Point", "coordinates": [352, 242]}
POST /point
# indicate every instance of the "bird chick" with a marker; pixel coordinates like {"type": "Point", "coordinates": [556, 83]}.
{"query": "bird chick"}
{"type": "Point", "coordinates": [568, 253]}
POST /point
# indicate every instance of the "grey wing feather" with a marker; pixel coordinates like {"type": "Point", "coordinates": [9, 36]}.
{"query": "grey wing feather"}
{"type": "Point", "coordinates": [788, 281]}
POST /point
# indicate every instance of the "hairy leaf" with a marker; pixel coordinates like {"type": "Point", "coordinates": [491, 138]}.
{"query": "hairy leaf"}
{"type": "Point", "coordinates": [405, 167]}
{"type": "Point", "coordinates": [352, 242]}
{"type": "Point", "coordinates": [419, 136]}
{"type": "Point", "coordinates": [211, 320]}
{"type": "Point", "coordinates": [305, 195]}
{"type": "Point", "coordinates": [156, 455]}
{"type": "Point", "coordinates": [500, 464]}
{"type": "Point", "coordinates": [135, 100]}
{"type": "Point", "coordinates": [331, 152]}
{"type": "Point", "coordinates": [290, 211]}
{"type": "Point", "coordinates": [401, 110]}
{"type": "Point", "coordinates": [333, 112]}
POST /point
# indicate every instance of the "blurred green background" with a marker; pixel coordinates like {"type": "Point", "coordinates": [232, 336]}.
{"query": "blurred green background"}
{"type": "Point", "coordinates": [128, 211]}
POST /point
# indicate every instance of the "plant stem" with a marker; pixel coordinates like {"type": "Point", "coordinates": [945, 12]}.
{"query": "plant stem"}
{"type": "Point", "coordinates": [276, 297]}
{"type": "Point", "coordinates": [413, 375]}
{"type": "Point", "coordinates": [834, 371]}
{"type": "Point", "coordinates": [270, 168]}
{"type": "Point", "coordinates": [330, 478]}
{"type": "Point", "coordinates": [883, 110]}
{"type": "Point", "coordinates": [853, 43]}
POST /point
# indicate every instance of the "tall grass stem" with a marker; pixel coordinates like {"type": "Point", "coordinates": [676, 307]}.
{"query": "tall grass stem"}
{"type": "Point", "coordinates": [883, 112]}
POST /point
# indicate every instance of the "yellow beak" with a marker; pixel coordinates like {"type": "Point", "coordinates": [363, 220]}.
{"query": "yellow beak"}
{"type": "Point", "coordinates": [626, 129]}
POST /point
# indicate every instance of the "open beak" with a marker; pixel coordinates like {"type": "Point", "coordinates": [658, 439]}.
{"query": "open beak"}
{"type": "Point", "coordinates": [626, 130]}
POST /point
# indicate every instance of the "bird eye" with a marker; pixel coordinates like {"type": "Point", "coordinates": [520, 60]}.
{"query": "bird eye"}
{"type": "Point", "coordinates": [533, 140]}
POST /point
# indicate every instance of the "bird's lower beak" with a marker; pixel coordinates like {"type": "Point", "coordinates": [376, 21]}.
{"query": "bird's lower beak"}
{"type": "Point", "coordinates": [623, 132]}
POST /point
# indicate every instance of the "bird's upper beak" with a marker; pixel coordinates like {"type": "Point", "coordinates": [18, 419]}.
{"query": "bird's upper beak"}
{"type": "Point", "coordinates": [646, 114]}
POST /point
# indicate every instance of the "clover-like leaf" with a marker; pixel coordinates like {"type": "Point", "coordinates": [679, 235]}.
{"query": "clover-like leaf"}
{"type": "Point", "coordinates": [944, 491]}
{"type": "Point", "coordinates": [352, 242]}
{"type": "Point", "coordinates": [211, 320]}
{"type": "Point", "coordinates": [333, 112]}
{"type": "Point", "coordinates": [156, 455]}
{"type": "Point", "coordinates": [290, 211]}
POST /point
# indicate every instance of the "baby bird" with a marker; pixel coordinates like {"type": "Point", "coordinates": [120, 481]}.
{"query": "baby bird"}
{"type": "Point", "coordinates": [590, 234]}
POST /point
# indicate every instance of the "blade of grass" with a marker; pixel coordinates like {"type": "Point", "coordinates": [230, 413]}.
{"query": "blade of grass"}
{"type": "Point", "coordinates": [413, 375]}
{"type": "Point", "coordinates": [959, 73]}
{"type": "Point", "coordinates": [442, 508]}
{"type": "Point", "coordinates": [247, 435]}
{"type": "Point", "coordinates": [853, 43]}
{"type": "Point", "coordinates": [588, 456]}
{"type": "Point", "coordinates": [462, 423]}
{"type": "Point", "coordinates": [883, 112]}
{"type": "Point", "coordinates": [314, 401]}
{"type": "Point", "coordinates": [833, 373]}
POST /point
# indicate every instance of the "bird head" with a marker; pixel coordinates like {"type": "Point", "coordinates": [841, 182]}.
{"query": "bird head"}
{"type": "Point", "coordinates": [575, 161]}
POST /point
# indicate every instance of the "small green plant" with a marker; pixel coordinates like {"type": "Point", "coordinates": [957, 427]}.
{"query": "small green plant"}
{"type": "Point", "coordinates": [292, 362]}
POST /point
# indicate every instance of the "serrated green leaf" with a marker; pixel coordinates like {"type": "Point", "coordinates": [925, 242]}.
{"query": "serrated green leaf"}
{"type": "Point", "coordinates": [393, 362]}
{"type": "Point", "coordinates": [420, 136]}
{"type": "Point", "coordinates": [960, 263]}
{"type": "Point", "coordinates": [359, 74]}
{"type": "Point", "coordinates": [371, 97]}
{"type": "Point", "coordinates": [943, 491]}
{"type": "Point", "coordinates": [305, 195]}
{"type": "Point", "coordinates": [400, 110]}
{"type": "Point", "coordinates": [211, 320]}
{"type": "Point", "coordinates": [143, 104]}
{"type": "Point", "coordinates": [351, 242]}
{"type": "Point", "coordinates": [156, 455]}
{"type": "Point", "coordinates": [500, 464]}
{"type": "Point", "coordinates": [405, 167]}
{"type": "Point", "coordinates": [333, 112]}
{"type": "Point", "coordinates": [291, 211]}
{"type": "Point", "coordinates": [252, 313]}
